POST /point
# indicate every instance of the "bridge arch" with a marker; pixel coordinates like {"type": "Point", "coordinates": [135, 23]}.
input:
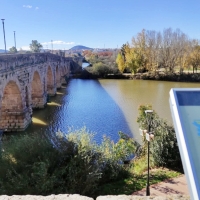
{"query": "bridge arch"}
{"type": "Point", "coordinates": [51, 88]}
{"type": "Point", "coordinates": [12, 99]}
{"type": "Point", "coordinates": [27, 100]}
{"type": "Point", "coordinates": [62, 71]}
{"type": "Point", "coordinates": [65, 69]}
{"type": "Point", "coordinates": [13, 115]}
{"type": "Point", "coordinates": [4, 84]}
{"type": "Point", "coordinates": [58, 77]}
{"type": "Point", "coordinates": [62, 74]}
{"type": "Point", "coordinates": [71, 66]}
{"type": "Point", "coordinates": [28, 73]}
{"type": "Point", "coordinates": [37, 91]}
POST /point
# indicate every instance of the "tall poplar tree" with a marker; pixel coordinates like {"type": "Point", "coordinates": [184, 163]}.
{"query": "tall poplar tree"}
{"type": "Point", "coordinates": [120, 63]}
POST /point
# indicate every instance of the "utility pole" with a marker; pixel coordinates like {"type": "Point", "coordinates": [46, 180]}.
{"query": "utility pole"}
{"type": "Point", "coordinates": [52, 46]}
{"type": "Point", "coordinates": [149, 121]}
{"type": "Point", "coordinates": [15, 40]}
{"type": "Point", "coordinates": [4, 35]}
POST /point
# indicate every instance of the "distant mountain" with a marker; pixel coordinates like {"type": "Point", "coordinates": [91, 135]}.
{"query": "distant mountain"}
{"type": "Point", "coordinates": [2, 51]}
{"type": "Point", "coordinates": [80, 47]}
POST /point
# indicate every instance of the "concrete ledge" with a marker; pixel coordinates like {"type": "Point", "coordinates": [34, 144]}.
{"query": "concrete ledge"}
{"type": "Point", "coordinates": [79, 197]}
{"type": "Point", "coordinates": [51, 197]}
{"type": "Point", "coordinates": [132, 197]}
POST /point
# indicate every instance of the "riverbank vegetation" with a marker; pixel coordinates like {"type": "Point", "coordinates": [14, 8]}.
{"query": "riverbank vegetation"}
{"type": "Point", "coordinates": [101, 64]}
{"type": "Point", "coordinates": [169, 55]}
{"type": "Point", "coordinates": [75, 163]}
{"type": "Point", "coordinates": [160, 52]}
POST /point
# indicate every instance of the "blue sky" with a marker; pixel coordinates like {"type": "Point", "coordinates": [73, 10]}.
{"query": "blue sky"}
{"type": "Point", "coordinates": [93, 23]}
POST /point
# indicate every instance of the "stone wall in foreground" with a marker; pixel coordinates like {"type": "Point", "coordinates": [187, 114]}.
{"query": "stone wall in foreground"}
{"type": "Point", "coordinates": [79, 197]}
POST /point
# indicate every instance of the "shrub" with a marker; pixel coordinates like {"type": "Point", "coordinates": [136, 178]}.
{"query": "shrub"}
{"type": "Point", "coordinates": [164, 147]}
{"type": "Point", "coordinates": [101, 69]}
{"type": "Point", "coordinates": [64, 163]}
{"type": "Point", "coordinates": [102, 66]}
{"type": "Point", "coordinates": [26, 166]}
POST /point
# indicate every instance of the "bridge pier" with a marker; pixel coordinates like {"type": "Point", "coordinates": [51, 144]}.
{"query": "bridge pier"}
{"type": "Point", "coordinates": [26, 81]}
{"type": "Point", "coordinates": [39, 101]}
{"type": "Point", "coordinates": [59, 84]}
{"type": "Point", "coordinates": [51, 90]}
{"type": "Point", "coordinates": [15, 121]}
{"type": "Point", "coordinates": [64, 80]}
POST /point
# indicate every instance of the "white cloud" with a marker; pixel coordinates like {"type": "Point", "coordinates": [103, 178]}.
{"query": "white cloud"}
{"type": "Point", "coordinates": [27, 6]}
{"type": "Point", "coordinates": [36, 8]}
{"type": "Point", "coordinates": [59, 42]}
{"type": "Point", "coordinates": [24, 48]}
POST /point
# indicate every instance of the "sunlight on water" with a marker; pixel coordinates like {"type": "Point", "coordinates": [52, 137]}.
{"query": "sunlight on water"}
{"type": "Point", "coordinates": [130, 94]}
{"type": "Point", "coordinates": [105, 107]}
{"type": "Point", "coordinates": [59, 93]}
{"type": "Point", "coordinates": [38, 121]}
{"type": "Point", "coordinates": [53, 104]}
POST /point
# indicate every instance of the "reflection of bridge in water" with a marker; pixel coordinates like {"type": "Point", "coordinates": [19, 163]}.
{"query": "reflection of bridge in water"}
{"type": "Point", "coordinates": [26, 80]}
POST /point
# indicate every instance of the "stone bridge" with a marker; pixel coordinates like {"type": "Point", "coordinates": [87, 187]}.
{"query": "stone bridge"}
{"type": "Point", "coordinates": [26, 80]}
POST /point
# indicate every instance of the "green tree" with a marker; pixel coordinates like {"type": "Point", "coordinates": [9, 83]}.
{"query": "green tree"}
{"type": "Point", "coordinates": [139, 44]}
{"type": "Point", "coordinates": [35, 46]}
{"type": "Point", "coordinates": [123, 51]}
{"type": "Point", "coordinates": [101, 69]}
{"type": "Point", "coordinates": [194, 58]}
{"type": "Point", "coordinates": [133, 59]}
{"type": "Point", "coordinates": [164, 149]}
{"type": "Point", "coordinates": [13, 50]}
{"type": "Point", "coordinates": [151, 50]}
{"type": "Point", "coordinates": [120, 62]}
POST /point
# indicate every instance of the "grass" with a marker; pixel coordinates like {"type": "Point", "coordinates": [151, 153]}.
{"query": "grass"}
{"type": "Point", "coordinates": [137, 179]}
{"type": "Point", "coordinates": [186, 70]}
{"type": "Point", "coordinates": [74, 164]}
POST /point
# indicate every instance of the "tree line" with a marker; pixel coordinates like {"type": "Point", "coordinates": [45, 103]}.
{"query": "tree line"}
{"type": "Point", "coordinates": [35, 47]}
{"type": "Point", "coordinates": [102, 63]}
{"type": "Point", "coordinates": [151, 51]}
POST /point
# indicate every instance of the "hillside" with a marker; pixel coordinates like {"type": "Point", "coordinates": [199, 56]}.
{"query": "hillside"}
{"type": "Point", "coordinates": [80, 47]}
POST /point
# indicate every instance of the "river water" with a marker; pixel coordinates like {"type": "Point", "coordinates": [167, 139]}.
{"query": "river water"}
{"type": "Point", "coordinates": [103, 106]}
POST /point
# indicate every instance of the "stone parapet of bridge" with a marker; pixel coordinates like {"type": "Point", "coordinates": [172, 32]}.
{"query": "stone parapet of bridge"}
{"type": "Point", "coordinates": [25, 82]}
